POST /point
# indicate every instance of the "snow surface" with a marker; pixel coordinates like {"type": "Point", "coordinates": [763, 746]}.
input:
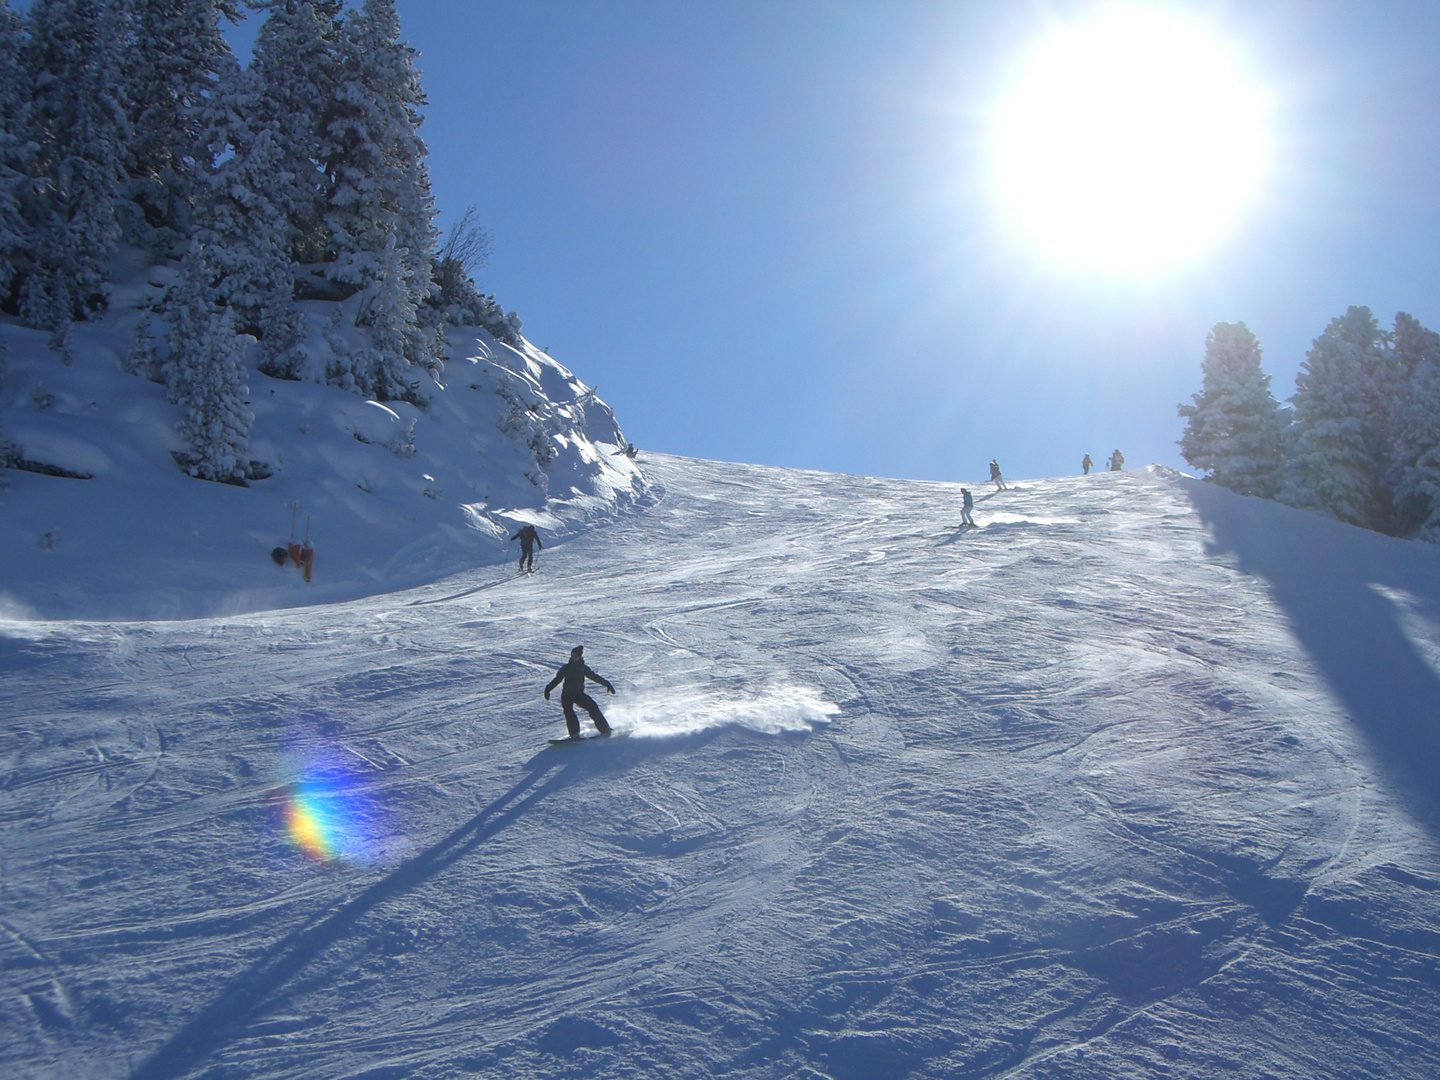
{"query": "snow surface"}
{"type": "Point", "coordinates": [394, 496]}
{"type": "Point", "coordinates": [1134, 780]}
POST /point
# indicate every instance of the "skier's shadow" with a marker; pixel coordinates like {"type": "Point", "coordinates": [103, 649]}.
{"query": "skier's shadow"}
{"type": "Point", "coordinates": [254, 991]}
{"type": "Point", "coordinates": [1328, 579]}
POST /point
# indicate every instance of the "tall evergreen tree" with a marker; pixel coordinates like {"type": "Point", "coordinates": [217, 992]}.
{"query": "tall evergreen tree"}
{"type": "Point", "coordinates": [206, 376]}
{"type": "Point", "coordinates": [248, 236]}
{"type": "Point", "coordinates": [14, 150]}
{"type": "Point", "coordinates": [1338, 452]}
{"type": "Point", "coordinates": [1417, 427]}
{"type": "Point", "coordinates": [174, 64]}
{"type": "Point", "coordinates": [1235, 425]}
{"type": "Point", "coordinates": [291, 82]}
{"type": "Point", "coordinates": [79, 129]}
{"type": "Point", "coordinates": [380, 209]}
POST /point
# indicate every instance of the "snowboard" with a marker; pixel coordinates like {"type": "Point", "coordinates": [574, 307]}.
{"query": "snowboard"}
{"type": "Point", "coordinates": [583, 738]}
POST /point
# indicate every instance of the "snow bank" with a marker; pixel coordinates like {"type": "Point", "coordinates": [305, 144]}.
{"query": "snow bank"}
{"type": "Point", "coordinates": [99, 522]}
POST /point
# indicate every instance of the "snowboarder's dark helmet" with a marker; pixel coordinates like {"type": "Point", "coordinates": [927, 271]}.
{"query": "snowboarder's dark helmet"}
{"type": "Point", "coordinates": [576, 651]}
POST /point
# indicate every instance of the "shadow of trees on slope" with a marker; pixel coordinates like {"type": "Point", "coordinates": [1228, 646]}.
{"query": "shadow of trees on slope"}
{"type": "Point", "coordinates": [1328, 577]}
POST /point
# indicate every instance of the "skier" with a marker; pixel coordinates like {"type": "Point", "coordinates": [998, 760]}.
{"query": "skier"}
{"type": "Point", "coordinates": [995, 475]}
{"type": "Point", "coordinates": [573, 675]}
{"type": "Point", "coordinates": [966, 506]}
{"type": "Point", "coordinates": [1085, 464]}
{"type": "Point", "coordinates": [1117, 461]}
{"type": "Point", "coordinates": [528, 538]}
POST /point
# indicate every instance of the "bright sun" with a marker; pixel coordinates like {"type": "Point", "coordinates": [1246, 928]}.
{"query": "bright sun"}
{"type": "Point", "coordinates": [1129, 142]}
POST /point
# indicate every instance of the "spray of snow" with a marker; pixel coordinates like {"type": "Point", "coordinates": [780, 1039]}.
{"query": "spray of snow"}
{"type": "Point", "coordinates": [670, 712]}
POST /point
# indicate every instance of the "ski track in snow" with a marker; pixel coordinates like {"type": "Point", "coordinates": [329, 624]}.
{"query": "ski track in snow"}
{"type": "Point", "coordinates": [1063, 795]}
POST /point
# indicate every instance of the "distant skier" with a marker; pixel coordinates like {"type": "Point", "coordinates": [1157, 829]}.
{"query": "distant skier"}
{"type": "Point", "coordinates": [573, 675]}
{"type": "Point", "coordinates": [1085, 464]}
{"type": "Point", "coordinates": [529, 540]}
{"type": "Point", "coordinates": [966, 506]}
{"type": "Point", "coordinates": [995, 475]}
{"type": "Point", "coordinates": [1117, 461]}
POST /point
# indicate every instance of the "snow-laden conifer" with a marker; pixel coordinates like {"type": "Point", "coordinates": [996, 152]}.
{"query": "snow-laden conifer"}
{"type": "Point", "coordinates": [205, 377]}
{"type": "Point", "coordinates": [380, 209]}
{"type": "Point", "coordinates": [78, 127]}
{"type": "Point", "coordinates": [15, 150]}
{"type": "Point", "coordinates": [173, 66]}
{"type": "Point", "coordinates": [292, 80]}
{"type": "Point", "coordinates": [1234, 427]}
{"type": "Point", "coordinates": [1337, 453]}
{"type": "Point", "coordinates": [246, 235]}
{"type": "Point", "coordinates": [1417, 426]}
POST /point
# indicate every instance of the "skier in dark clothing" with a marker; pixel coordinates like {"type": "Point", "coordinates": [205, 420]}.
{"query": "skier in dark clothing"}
{"type": "Point", "coordinates": [966, 506]}
{"type": "Point", "coordinates": [573, 675]}
{"type": "Point", "coordinates": [1085, 464]}
{"type": "Point", "coordinates": [529, 540]}
{"type": "Point", "coordinates": [995, 475]}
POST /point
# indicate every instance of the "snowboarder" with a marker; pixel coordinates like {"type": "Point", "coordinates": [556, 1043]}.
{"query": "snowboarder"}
{"type": "Point", "coordinates": [1117, 461]}
{"type": "Point", "coordinates": [529, 539]}
{"type": "Point", "coordinates": [966, 507]}
{"type": "Point", "coordinates": [995, 475]}
{"type": "Point", "coordinates": [573, 675]}
{"type": "Point", "coordinates": [1085, 464]}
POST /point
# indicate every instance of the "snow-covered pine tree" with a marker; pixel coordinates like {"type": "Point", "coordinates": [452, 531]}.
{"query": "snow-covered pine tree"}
{"type": "Point", "coordinates": [247, 236]}
{"type": "Point", "coordinates": [78, 126]}
{"type": "Point", "coordinates": [205, 376]}
{"type": "Point", "coordinates": [175, 61]}
{"type": "Point", "coordinates": [1337, 454]}
{"type": "Point", "coordinates": [14, 149]}
{"type": "Point", "coordinates": [1234, 427]}
{"type": "Point", "coordinates": [380, 210]}
{"type": "Point", "coordinates": [291, 84]}
{"type": "Point", "coordinates": [1416, 425]}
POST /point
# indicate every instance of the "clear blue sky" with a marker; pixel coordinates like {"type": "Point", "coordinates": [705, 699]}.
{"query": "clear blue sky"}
{"type": "Point", "coordinates": [759, 227]}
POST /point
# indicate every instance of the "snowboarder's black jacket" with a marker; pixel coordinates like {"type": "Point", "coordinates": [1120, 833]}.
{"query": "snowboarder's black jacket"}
{"type": "Point", "coordinates": [573, 675]}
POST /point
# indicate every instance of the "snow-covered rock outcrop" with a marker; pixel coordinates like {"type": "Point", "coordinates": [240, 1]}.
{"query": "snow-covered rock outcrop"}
{"type": "Point", "coordinates": [98, 521]}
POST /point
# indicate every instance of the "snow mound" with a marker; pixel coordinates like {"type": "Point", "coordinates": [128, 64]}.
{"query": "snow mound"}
{"type": "Point", "coordinates": [99, 522]}
{"type": "Point", "coordinates": [773, 710]}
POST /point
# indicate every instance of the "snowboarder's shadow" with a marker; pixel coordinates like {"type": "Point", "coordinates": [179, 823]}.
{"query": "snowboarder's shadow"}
{"type": "Point", "coordinates": [261, 987]}
{"type": "Point", "coordinates": [960, 532]}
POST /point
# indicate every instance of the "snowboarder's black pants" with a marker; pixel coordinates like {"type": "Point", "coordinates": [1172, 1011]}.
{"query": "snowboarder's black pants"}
{"type": "Point", "coordinates": [527, 555]}
{"type": "Point", "coordinates": [586, 702]}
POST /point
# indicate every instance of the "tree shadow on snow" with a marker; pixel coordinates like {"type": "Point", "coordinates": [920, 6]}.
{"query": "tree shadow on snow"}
{"type": "Point", "coordinates": [256, 990]}
{"type": "Point", "coordinates": [1331, 580]}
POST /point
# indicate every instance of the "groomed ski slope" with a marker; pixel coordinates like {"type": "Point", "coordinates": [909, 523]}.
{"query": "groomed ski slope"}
{"type": "Point", "coordinates": [1137, 779]}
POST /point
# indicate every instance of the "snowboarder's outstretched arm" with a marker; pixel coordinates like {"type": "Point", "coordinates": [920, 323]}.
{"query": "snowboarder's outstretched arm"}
{"type": "Point", "coordinates": [600, 679]}
{"type": "Point", "coordinates": [559, 676]}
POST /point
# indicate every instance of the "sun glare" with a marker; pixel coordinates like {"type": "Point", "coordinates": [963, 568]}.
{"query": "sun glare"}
{"type": "Point", "coordinates": [1129, 142]}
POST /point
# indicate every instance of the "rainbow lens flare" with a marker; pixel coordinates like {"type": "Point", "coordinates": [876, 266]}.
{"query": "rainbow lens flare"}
{"type": "Point", "coordinates": [327, 814]}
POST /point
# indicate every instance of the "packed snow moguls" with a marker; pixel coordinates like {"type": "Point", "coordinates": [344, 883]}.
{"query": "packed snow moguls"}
{"type": "Point", "coordinates": [1133, 778]}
